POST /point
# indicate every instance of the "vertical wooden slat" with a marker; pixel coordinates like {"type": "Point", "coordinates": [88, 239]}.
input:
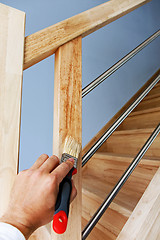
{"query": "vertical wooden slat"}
{"type": "Point", "coordinates": [68, 120]}
{"type": "Point", "coordinates": [12, 24]}
{"type": "Point", "coordinates": [144, 222]}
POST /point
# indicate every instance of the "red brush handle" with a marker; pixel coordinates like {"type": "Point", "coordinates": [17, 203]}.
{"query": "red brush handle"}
{"type": "Point", "coordinates": [60, 217]}
{"type": "Point", "coordinates": [60, 222]}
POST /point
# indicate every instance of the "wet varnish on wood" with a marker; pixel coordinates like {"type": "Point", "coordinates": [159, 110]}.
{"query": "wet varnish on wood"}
{"type": "Point", "coordinates": [68, 120]}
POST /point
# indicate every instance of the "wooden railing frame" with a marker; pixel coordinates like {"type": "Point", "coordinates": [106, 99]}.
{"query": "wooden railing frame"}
{"type": "Point", "coordinates": [44, 43]}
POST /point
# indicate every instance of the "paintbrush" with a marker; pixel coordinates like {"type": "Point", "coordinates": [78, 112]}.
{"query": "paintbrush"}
{"type": "Point", "coordinates": [71, 150]}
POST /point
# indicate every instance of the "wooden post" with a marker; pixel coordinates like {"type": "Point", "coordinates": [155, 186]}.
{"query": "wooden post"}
{"type": "Point", "coordinates": [12, 24]}
{"type": "Point", "coordinates": [68, 120]}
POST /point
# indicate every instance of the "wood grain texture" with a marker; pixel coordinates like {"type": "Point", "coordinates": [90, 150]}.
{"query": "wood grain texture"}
{"type": "Point", "coordinates": [44, 43]}
{"type": "Point", "coordinates": [148, 103]}
{"type": "Point", "coordinates": [96, 232]}
{"type": "Point", "coordinates": [105, 169]}
{"type": "Point", "coordinates": [110, 224]}
{"type": "Point", "coordinates": [12, 25]}
{"type": "Point", "coordinates": [122, 110]}
{"type": "Point", "coordinates": [68, 120]}
{"type": "Point", "coordinates": [130, 142]}
{"type": "Point", "coordinates": [144, 222]}
{"type": "Point", "coordinates": [148, 118]}
{"type": "Point", "coordinates": [41, 233]}
{"type": "Point", "coordinates": [100, 175]}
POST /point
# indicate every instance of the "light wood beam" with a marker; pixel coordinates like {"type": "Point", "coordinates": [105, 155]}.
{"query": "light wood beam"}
{"type": "Point", "coordinates": [68, 120]}
{"type": "Point", "coordinates": [12, 32]}
{"type": "Point", "coordinates": [144, 222]}
{"type": "Point", "coordinates": [12, 25]}
{"type": "Point", "coordinates": [44, 43]}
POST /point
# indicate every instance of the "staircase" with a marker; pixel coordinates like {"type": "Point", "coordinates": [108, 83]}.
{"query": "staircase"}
{"type": "Point", "coordinates": [105, 168]}
{"type": "Point", "coordinates": [107, 165]}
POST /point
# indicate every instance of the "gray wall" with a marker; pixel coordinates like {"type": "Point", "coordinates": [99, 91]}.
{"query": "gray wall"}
{"type": "Point", "coordinates": [100, 50]}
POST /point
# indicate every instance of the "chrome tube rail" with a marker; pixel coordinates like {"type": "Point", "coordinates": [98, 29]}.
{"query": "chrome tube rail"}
{"type": "Point", "coordinates": [91, 224]}
{"type": "Point", "coordinates": [117, 65]}
{"type": "Point", "coordinates": [115, 125]}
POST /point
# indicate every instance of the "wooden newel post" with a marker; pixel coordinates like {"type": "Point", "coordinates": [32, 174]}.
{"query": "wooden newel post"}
{"type": "Point", "coordinates": [12, 26]}
{"type": "Point", "coordinates": [68, 120]}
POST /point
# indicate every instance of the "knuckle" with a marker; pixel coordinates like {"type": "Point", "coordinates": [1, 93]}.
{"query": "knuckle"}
{"type": "Point", "coordinates": [55, 178]}
{"type": "Point", "coordinates": [29, 172]}
{"type": "Point", "coordinates": [44, 155]}
{"type": "Point", "coordinates": [52, 183]}
{"type": "Point", "coordinates": [55, 158]}
{"type": "Point", "coordinates": [26, 173]}
{"type": "Point", "coordinates": [39, 172]}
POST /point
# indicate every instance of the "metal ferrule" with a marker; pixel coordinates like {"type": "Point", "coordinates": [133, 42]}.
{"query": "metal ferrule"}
{"type": "Point", "coordinates": [66, 156]}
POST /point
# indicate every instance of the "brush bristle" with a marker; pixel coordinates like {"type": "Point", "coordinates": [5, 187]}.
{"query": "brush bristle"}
{"type": "Point", "coordinates": [72, 147]}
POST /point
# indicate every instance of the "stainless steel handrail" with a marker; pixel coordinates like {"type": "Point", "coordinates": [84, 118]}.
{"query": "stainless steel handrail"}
{"type": "Point", "coordinates": [119, 185]}
{"type": "Point", "coordinates": [117, 65]}
{"type": "Point", "coordinates": [115, 125]}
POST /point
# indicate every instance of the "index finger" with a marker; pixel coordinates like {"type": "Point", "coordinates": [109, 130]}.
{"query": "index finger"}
{"type": "Point", "coordinates": [63, 169]}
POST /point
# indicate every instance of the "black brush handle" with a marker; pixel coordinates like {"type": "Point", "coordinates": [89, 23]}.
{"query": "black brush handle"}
{"type": "Point", "coordinates": [60, 217]}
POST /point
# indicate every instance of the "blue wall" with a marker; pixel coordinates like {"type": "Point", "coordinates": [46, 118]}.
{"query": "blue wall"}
{"type": "Point", "coordinates": [100, 50]}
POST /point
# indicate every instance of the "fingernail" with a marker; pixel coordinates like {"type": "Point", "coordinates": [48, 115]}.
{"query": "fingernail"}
{"type": "Point", "coordinates": [71, 160]}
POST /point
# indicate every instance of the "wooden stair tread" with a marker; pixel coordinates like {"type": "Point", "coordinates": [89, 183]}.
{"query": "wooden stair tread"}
{"type": "Point", "coordinates": [111, 222]}
{"type": "Point", "coordinates": [133, 131]}
{"type": "Point", "coordinates": [104, 170]}
{"type": "Point", "coordinates": [151, 95]}
{"type": "Point", "coordinates": [98, 198]}
{"type": "Point", "coordinates": [148, 103]}
{"type": "Point", "coordinates": [125, 157]}
{"type": "Point", "coordinates": [98, 233]}
{"type": "Point", "coordinates": [143, 119]}
{"type": "Point", "coordinates": [130, 141]}
{"type": "Point", "coordinates": [145, 111]}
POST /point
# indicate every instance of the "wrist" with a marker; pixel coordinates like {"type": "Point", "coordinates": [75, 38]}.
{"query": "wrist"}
{"type": "Point", "coordinates": [16, 222]}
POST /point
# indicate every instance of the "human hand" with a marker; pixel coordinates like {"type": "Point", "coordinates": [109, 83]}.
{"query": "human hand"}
{"type": "Point", "coordinates": [34, 194]}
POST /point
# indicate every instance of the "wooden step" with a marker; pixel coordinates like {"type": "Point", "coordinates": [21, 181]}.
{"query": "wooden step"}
{"type": "Point", "coordinates": [111, 222]}
{"type": "Point", "coordinates": [152, 96]}
{"type": "Point", "coordinates": [148, 103]}
{"type": "Point", "coordinates": [154, 92]}
{"type": "Point", "coordinates": [96, 232]}
{"type": "Point", "coordinates": [130, 142]}
{"type": "Point", "coordinates": [151, 100]}
{"type": "Point", "coordinates": [100, 175]}
{"type": "Point", "coordinates": [148, 118]}
{"type": "Point", "coordinates": [109, 168]}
